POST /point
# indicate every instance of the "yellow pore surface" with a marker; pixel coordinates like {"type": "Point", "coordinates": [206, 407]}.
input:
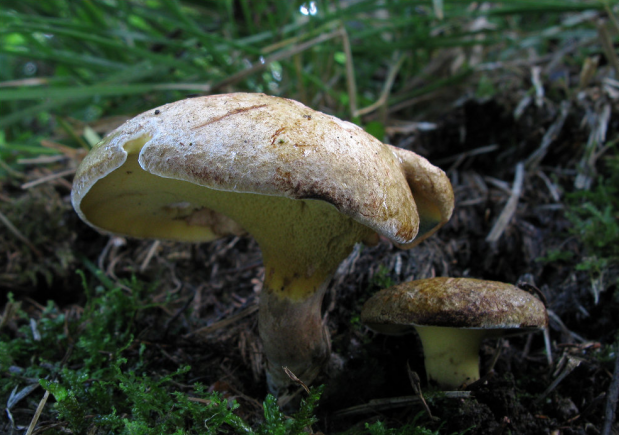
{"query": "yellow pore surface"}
{"type": "Point", "coordinates": [302, 241]}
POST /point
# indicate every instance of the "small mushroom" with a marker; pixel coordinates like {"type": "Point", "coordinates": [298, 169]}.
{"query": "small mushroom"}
{"type": "Point", "coordinates": [452, 316]}
{"type": "Point", "coordinates": [307, 186]}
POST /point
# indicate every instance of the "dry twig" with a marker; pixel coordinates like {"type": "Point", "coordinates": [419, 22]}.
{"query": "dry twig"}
{"type": "Point", "coordinates": [295, 379]}
{"type": "Point", "coordinates": [551, 134]}
{"type": "Point", "coordinates": [394, 402]}
{"type": "Point", "coordinates": [151, 252]}
{"type": "Point", "coordinates": [38, 412]}
{"type": "Point", "coordinates": [48, 178]}
{"type": "Point", "coordinates": [384, 96]}
{"type": "Point", "coordinates": [510, 207]}
{"type": "Point", "coordinates": [566, 365]}
{"type": "Point", "coordinates": [416, 385]}
{"type": "Point", "coordinates": [224, 322]}
{"type": "Point", "coordinates": [19, 235]}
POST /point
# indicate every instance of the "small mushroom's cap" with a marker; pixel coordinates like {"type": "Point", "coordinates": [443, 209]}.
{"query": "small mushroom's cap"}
{"type": "Point", "coordinates": [256, 144]}
{"type": "Point", "coordinates": [453, 302]}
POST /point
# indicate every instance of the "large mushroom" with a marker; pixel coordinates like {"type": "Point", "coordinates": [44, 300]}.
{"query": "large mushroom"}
{"type": "Point", "coordinates": [452, 316]}
{"type": "Point", "coordinates": [307, 186]}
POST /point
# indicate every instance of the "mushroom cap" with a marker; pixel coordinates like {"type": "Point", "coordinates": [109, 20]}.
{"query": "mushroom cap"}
{"type": "Point", "coordinates": [258, 144]}
{"type": "Point", "coordinates": [453, 302]}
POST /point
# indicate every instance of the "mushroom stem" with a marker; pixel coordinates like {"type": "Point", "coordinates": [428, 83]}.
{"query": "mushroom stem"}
{"type": "Point", "coordinates": [451, 354]}
{"type": "Point", "coordinates": [293, 335]}
{"type": "Point", "coordinates": [302, 245]}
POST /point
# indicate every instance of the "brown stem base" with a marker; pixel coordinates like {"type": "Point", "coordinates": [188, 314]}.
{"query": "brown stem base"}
{"type": "Point", "coordinates": [293, 335]}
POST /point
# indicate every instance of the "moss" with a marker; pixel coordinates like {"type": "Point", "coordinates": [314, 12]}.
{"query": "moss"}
{"type": "Point", "coordinates": [101, 378]}
{"type": "Point", "coordinates": [386, 428]}
{"type": "Point", "coordinates": [382, 279]}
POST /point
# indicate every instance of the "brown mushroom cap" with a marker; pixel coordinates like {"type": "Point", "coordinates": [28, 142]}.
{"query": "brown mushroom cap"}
{"type": "Point", "coordinates": [253, 143]}
{"type": "Point", "coordinates": [454, 302]}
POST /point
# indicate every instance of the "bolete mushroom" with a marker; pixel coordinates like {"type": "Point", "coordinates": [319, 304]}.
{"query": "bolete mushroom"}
{"type": "Point", "coordinates": [307, 186]}
{"type": "Point", "coordinates": [452, 316]}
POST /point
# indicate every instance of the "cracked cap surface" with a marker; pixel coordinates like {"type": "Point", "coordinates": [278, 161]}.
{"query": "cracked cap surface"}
{"type": "Point", "coordinates": [454, 302]}
{"type": "Point", "coordinates": [257, 144]}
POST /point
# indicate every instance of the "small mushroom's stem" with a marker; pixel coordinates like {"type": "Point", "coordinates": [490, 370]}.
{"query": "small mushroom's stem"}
{"type": "Point", "coordinates": [451, 355]}
{"type": "Point", "coordinates": [293, 335]}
